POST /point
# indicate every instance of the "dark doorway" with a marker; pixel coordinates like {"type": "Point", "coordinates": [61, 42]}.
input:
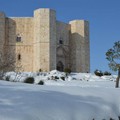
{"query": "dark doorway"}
{"type": "Point", "coordinates": [60, 66]}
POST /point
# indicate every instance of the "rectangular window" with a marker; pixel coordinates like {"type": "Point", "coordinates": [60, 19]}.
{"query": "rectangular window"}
{"type": "Point", "coordinates": [19, 57]}
{"type": "Point", "coordinates": [18, 39]}
{"type": "Point", "coordinates": [60, 42]}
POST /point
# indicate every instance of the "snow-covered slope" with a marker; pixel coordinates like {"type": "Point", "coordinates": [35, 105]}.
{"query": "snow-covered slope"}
{"type": "Point", "coordinates": [74, 99]}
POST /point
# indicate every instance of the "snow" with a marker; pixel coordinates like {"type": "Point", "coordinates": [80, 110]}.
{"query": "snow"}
{"type": "Point", "coordinates": [82, 96]}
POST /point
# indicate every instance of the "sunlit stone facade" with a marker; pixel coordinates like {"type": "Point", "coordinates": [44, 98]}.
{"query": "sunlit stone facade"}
{"type": "Point", "coordinates": [43, 43]}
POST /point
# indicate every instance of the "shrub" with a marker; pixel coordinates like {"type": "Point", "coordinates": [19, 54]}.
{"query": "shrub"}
{"type": "Point", "coordinates": [40, 70]}
{"type": "Point", "coordinates": [38, 73]}
{"type": "Point", "coordinates": [111, 119]}
{"type": "Point", "coordinates": [7, 78]}
{"type": "Point", "coordinates": [107, 73]}
{"type": "Point", "coordinates": [29, 80]}
{"type": "Point", "coordinates": [67, 70]}
{"type": "Point", "coordinates": [98, 73]}
{"type": "Point", "coordinates": [41, 82]}
{"type": "Point", "coordinates": [48, 78]}
{"type": "Point", "coordinates": [63, 78]}
{"type": "Point", "coordinates": [52, 77]}
{"type": "Point", "coordinates": [74, 79]}
{"type": "Point", "coordinates": [56, 77]}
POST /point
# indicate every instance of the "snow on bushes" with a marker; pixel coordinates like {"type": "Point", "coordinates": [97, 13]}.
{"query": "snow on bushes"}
{"type": "Point", "coordinates": [55, 75]}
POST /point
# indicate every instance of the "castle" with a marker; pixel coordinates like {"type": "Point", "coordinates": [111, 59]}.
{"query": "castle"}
{"type": "Point", "coordinates": [43, 43]}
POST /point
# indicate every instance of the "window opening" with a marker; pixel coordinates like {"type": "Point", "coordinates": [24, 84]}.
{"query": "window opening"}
{"type": "Point", "coordinates": [19, 57]}
{"type": "Point", "coordinates": [60, 41]}
{"type": "Point", "coordinates": [18, 39]}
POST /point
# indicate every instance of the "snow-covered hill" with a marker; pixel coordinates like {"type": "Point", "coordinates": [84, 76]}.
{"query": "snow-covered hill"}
{"type": "Point", "coordinates": [81, 96]}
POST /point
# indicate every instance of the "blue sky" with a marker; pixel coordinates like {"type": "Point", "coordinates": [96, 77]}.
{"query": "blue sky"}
{"type": "Point", "coordinates": [103, 15]}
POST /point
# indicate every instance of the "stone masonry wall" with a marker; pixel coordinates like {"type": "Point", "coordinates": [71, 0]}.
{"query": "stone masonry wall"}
{"type": "Point", "coordinates": [63, 53]}
{"type": "Point", "coordinates": [79, 52]}
{"type": "Point", "coordinates": [24, 28]}
{"type": "Point", "coordinates": [87, 47]}
{"type": "Point", "coordinates": [45, 37]}
{"type": "Point", "coordinates": [2, 31]}
{"type": "Point", "coordinates": [39, 46]}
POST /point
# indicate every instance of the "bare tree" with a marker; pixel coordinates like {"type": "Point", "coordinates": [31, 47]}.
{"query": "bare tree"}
{"type": "Point", "coordinates": [7, 63]}
{"type": "Point", "coordinates": [18, 70]}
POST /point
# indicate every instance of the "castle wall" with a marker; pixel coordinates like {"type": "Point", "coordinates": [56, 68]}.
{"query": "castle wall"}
{"type": "Point", "coordinates": [22, 27]}
{"type": "Point", "coordinates": [42, 42]}
{"type": "Point", "coordinates": [52, 35]}
{"type": "Point", "coordinates": [2, 31]}
{"type": "Point", "coordinates": [45, 39]}
{"type": "Point", "coordinates": [63, 32]}
{"type": "Point", "coordinates": [87, 47]}
{"type": "Point", "coordinates": [79, 43]}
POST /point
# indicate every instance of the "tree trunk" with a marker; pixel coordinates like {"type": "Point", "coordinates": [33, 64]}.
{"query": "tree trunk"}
{"type": "Point", "coordinates": [117, 79]}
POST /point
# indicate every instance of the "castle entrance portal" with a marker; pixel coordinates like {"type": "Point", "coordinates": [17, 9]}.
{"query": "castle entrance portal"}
{"type": "Point", "coordinates": [60, 66]}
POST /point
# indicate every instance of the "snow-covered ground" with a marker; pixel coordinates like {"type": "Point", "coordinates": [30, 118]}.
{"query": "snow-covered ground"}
{"type": "Point", "coordinates": [82, 96]}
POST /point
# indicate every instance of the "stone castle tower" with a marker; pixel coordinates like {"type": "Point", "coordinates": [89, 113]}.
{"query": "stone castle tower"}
{"type": "Point", "coordinates": [42, 42]}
